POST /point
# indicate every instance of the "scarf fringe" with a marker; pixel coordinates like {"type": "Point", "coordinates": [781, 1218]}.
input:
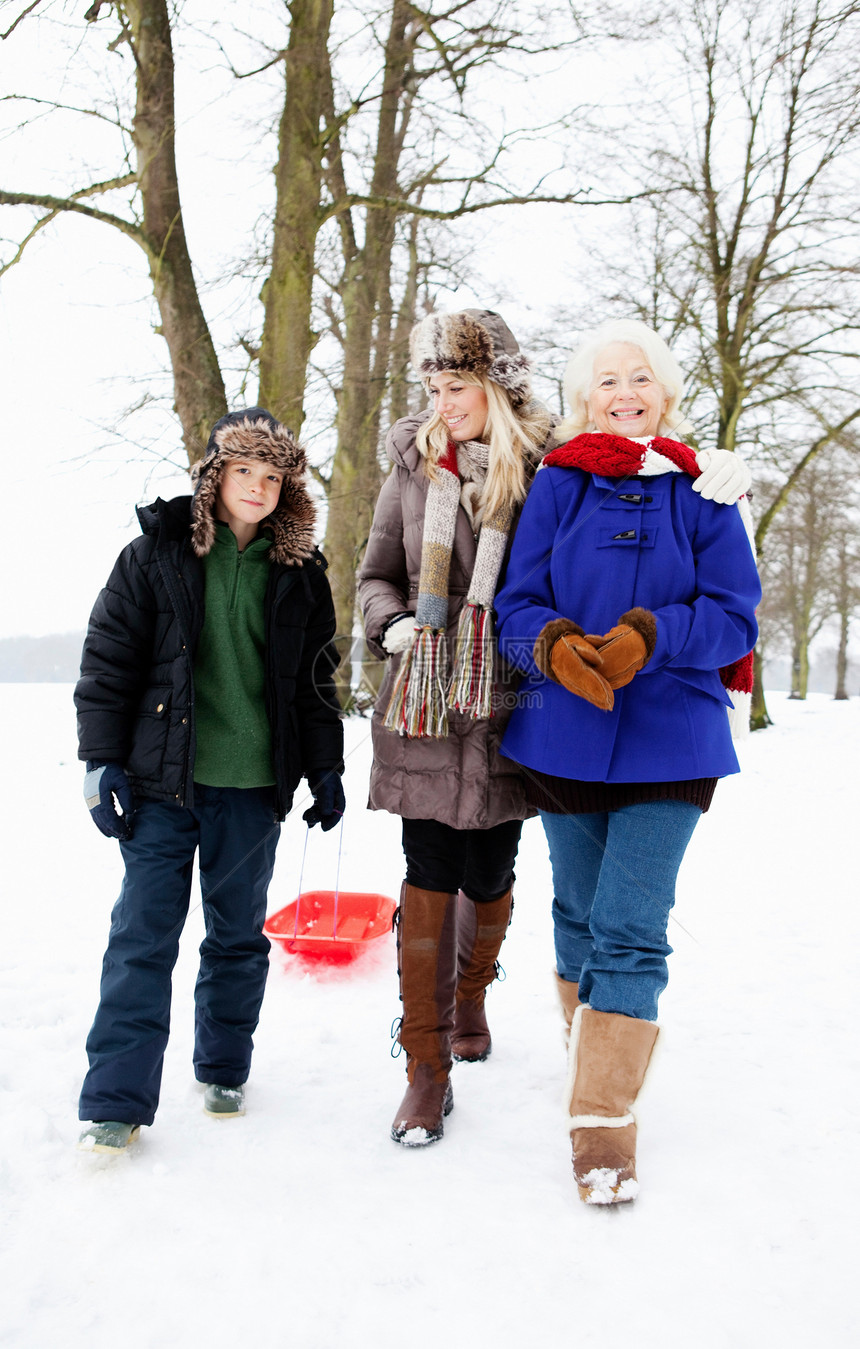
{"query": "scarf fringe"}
{"type": "Point", "coordinates": [471, 687]}
{"type": "Point", "coordinates": [417, 705]}
{"type": "Point", "coordinates": [739, 714]}
{"type": "Point", "coordinates": [737, 680]}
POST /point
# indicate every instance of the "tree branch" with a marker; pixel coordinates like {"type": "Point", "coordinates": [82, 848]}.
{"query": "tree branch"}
{"type": "Point", "coordinates": [405, 207]}
{"type": "Point", "coordinates": [28, 10]}
{"type": "Point", "coordinates": [58, 205]}
{"type": "Point", "coordinates": [832, 433]}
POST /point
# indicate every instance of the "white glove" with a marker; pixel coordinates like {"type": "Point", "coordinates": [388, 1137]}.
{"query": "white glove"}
{"type": "Point", "coordinates": [398, 634]}
{"type": "Point", "coordinates": [724, 477]}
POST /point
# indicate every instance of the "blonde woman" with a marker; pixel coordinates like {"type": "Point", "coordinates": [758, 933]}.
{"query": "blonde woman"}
{"type": "Point", "coordinates": [440, 537]}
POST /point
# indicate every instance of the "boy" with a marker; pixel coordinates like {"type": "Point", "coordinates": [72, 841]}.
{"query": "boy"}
{"type": "Point", "coordinates": [206, 693]}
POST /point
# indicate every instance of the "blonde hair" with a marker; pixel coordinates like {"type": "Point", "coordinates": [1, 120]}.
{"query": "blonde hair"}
{"type": "Point", "coordinates": [579, 376]}
{"type": "Point", "coordinates": [513, 437]}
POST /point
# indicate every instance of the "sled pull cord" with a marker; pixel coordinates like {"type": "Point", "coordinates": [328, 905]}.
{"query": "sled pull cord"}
{"type": "Point", "coordinates": [301, 878]}
{"type": "Point", "coordinates": [337, 878]}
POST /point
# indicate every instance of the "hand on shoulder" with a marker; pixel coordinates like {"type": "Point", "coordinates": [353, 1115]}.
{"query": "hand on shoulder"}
{"type": "Point", "coordinates": [724, 476]}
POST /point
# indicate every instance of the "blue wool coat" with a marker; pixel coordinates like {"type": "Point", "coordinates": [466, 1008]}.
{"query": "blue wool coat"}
{"type": "Point", "coordinates": [589, 548]}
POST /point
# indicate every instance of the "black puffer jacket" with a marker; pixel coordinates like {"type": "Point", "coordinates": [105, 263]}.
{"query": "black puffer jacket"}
{"type": "Point", "coordinates": [135, 696]}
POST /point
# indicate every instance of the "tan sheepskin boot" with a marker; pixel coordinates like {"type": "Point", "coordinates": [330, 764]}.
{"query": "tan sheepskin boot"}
{"type": "Point", "coordinates": [568, 996]}
{"type": "Point", "coordinates": [609, 1055]}
{"type": "Point", "coordinates": [427, 964]}
{"type": "Point", "coordinates": [481, 930]}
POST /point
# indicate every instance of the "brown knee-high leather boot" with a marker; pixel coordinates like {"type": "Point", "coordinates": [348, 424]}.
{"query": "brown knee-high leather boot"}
{"type": "Point", "coordinates": [609, 1056]}
{"type": "Point", "coordinates": [427, 959]}
{"type": "Point", "coordinates": [481, 930]}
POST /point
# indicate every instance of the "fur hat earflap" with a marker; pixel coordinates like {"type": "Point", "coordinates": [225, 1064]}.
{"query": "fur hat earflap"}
{"type": "Point", "coordinates": [253, 433]}
{"type": "Point", "coordinates": [477, 341]}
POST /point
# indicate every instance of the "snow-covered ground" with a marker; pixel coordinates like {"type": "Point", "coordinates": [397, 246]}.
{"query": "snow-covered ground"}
{"type": "Point", "coordinates": [303, 1225]}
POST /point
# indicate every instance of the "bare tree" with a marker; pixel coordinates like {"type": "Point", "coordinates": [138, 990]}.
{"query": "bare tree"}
{"type": "Point", "coordinates": [389, 189]}
{"type": "Point", "coordinates": [152, 219]}
{"type": "Point", "coordinates": [796, 565]}
{"type": "Point", "coordinates": [378, 149]}
{"type": "Point", "coordinates": [810, 572]}
{"type": "Point", "coordinates": [846, 587]}
{"type": "Point", "coordinates": [744, 255]}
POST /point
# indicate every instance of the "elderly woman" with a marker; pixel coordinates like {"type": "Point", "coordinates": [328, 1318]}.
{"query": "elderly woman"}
{"type": "Point", "coordinates": [427, 587]}
{"type": "Point", "coordinates": [625, 595]}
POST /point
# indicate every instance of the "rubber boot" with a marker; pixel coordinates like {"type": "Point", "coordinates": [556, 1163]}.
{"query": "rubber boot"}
{"type": "Point", "coordinates": [568, 996]}
{"type": "Point", "coordinates": [481, 930]}
{"type": "Point", "coordinates": [609, 1056]}
{"type": "Point", "coordinates": [427, 958]}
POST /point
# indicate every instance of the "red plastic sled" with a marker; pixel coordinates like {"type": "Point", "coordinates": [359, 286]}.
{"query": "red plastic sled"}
{"type": "Point", "coordinates": [331, 925]}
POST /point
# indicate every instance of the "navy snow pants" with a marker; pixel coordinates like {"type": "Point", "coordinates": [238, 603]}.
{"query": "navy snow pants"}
{"type": "Point", "coordinates": [236, 834]}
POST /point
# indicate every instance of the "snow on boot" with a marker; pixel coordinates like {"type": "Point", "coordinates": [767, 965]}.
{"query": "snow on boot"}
{"type": "Point", "coordinates": [481, 930]}
{"type": "Point", "coordinates": [568, 996]}
{"type": "Point", "coordinates": [420, 1119]}
{"type": "Point", "coordinates": [108, 1135]}
{"type": "Point", "coordinates": [609, 1056]}
{"type": "Point", "coordinates": [224, 1102]}
{"type": "Point", "coordinates": [427, 964]}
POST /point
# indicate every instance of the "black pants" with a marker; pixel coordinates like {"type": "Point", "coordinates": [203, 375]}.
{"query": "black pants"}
{"type": "Point", "coordinates": [480, 862]}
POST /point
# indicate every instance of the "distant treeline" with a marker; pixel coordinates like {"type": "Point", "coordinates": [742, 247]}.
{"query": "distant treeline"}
{"type": "Point", "coordinates": [55, 659]}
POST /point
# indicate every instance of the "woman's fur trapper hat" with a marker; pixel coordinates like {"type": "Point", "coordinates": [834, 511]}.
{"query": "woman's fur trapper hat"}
{"type": "Point", "coordinates": [474, 340]}
{"type": "Point", "coordinates": [253, 433]}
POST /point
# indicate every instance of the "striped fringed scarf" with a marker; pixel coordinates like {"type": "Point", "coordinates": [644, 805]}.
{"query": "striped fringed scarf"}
{"type": "Point", "coordinates": [621, 457]}
{"type": "Point", "coordinates": [419, 700]}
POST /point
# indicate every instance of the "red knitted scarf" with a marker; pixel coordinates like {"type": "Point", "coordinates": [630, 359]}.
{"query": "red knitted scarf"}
{"type": "Point", "coordinates": [619, 457]}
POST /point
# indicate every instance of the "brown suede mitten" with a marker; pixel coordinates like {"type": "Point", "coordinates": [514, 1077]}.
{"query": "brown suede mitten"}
{"type": "Point", "coordinates": [573, 662]}
{"type": "Point", "coordinates": [626, 647]}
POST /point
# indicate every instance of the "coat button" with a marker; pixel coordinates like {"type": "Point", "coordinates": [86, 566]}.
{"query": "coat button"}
{"type": "Point", "coordinates": [160, 707]}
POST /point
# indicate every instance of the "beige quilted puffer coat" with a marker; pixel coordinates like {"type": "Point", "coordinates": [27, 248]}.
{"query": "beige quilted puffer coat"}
{"type": "Point", "coordinates": [460, 780]}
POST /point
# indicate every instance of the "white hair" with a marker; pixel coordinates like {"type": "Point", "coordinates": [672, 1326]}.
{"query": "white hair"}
{"type": "Point", "coordinates": [579, 376]}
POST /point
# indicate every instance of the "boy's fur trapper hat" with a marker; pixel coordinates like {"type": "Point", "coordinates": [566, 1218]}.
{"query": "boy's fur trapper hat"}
{"type": "Point", "coordinates": [253, 433]}
{"type": "Point", "coordinates": [474, 340]}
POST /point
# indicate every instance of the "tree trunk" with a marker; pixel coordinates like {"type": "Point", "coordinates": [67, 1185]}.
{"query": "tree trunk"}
{"type": "Point", "coordinates": [841, 693]}
{"type": "Point", "coordinates": [800, 668]}
{"type": "Point", "coordinates": [398, 394]}
{"type": "Point", "coordinates": [804, 664]}
{"type": "Point", "coordinates": [356, 473]}
{"type": "Point", "coordinates": [759, 715]}
{"type": "Point", "coordinates": [846, 596]}
{"type": "Point", "coordinates": [288, 340]}
{"type": "Point", "coordinates": [199, 393]}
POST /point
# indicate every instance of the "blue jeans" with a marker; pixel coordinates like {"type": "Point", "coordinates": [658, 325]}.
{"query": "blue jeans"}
{"type": "Point", "coordinates": [235, 831]}
{"type": "Point", "coordinates": [614, 880]}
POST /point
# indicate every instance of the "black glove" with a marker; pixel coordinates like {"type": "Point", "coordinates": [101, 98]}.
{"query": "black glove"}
{"type": "Point", "coordinates": [329, 803]}
{"type": "Point", "coordinates": [103, 782]}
